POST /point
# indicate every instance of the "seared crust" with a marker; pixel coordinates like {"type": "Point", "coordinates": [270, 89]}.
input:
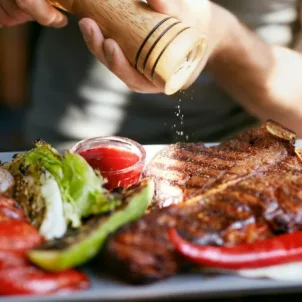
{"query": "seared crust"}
{"type": "Point", "coordinates": [246, 189]}
{"type": "Point", "coordinates": [185, 170]}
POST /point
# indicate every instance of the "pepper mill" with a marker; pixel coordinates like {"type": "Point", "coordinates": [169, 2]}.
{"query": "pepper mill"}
{"type": "Point", "coordinates": [165, 50]}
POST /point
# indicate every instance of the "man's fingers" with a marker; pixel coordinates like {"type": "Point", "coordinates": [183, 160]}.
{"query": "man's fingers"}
{"type": "Point", "coordinates": [93, 38]}
{"type": "Point", "coordinates": [42, 12]}
{"type": "Point", "coordinates": [5, 20]}
{"type": "Point", "coordinates": [120, 66]}
{"type": "Point", "coordinates": [111, 55]}
{"type": "Point", "coordinates": [13, 13]}
{"type": "Point", "coordinates": [171, 8]}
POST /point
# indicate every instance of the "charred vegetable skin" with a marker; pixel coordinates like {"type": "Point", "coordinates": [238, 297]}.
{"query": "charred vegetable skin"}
{"type": "Point", "coordinates": [90, 211]}
{"type": "Point", "coordinates": [272, 251]}
{"type": "Point", "coordinates": [57, 191]}
{"type": "Point", "coordinates": [78, 246]}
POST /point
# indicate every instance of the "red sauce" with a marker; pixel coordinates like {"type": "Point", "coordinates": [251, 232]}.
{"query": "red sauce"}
{"type": "Point", "coordinates": [110, 160]}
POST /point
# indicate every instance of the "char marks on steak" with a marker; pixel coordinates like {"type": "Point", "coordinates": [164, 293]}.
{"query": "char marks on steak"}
{"type": "Point", "coordinates": [185, 170]}
{"type": "Point", "coordinates": [246, 189]}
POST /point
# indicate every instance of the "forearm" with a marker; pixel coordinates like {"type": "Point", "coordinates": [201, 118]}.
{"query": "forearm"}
{"type": "Point", "coordinates": [265, 79]}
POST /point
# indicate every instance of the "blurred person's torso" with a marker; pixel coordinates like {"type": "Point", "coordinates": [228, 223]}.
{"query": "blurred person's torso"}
{"type": "Point", "coordinates": [76, 97]}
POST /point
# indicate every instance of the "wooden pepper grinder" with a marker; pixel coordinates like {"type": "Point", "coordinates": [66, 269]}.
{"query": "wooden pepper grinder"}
{"type": "Point", "coordinates": [162, 48]}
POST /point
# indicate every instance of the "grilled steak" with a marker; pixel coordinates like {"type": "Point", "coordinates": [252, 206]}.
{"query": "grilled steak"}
{"type": "Point", "coordinates": [246, 189]}
{"type": "Point", "coordinates": [185, 170]}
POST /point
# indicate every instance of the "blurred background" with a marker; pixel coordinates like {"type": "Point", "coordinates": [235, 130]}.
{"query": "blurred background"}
{"type": "Point", "coordinates": [17, 48]}
{"type": "Point", "coordinates": [208, 113]}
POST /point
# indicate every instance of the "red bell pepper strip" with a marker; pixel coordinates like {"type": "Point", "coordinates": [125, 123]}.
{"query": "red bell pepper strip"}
{"type": "Point", "coordinates": [31, 280]}
{"type": "Point", "coordinates": [18, 236]}
{"type": "Point", "coordinates": [17, 275]}
{"type": "Point", "coordinates": [272, 251]}
{"type": "Point", "coordinates": [10, 259]}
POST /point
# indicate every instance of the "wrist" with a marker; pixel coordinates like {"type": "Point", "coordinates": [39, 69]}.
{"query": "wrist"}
{"type": "Point", "coordinates": [217, 27]}
{"type": "Point", "coordinates": [224, 34]}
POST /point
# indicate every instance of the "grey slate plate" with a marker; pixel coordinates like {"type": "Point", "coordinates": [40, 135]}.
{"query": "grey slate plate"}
{"type": "Point", "coordinates": [106, 288]}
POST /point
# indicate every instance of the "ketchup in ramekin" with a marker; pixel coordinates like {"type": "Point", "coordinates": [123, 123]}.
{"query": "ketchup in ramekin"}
{"type": "Point", "coordinates": [119, 160]}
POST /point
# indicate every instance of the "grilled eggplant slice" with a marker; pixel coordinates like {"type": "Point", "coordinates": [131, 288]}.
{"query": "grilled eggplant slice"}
{"type": "Point", "coordinates": [80, 245]}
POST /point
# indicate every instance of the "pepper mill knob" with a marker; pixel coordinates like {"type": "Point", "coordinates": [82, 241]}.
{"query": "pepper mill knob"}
{"type": "Point", "coordinates": [165, 50]}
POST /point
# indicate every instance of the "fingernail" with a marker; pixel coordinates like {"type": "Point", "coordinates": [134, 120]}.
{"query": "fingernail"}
{"type": "Point", "coordinates": [86, 31]}
{"type": "Point", "coordinates": [108, 50]}
{"type": "Point", "coordinates": [62, 22]}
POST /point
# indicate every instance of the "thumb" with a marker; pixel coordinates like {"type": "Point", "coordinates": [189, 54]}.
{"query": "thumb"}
{"type": "Point", "coordinates": [171, 8]}
{"type": "Point", "coordinates": [195, 13]}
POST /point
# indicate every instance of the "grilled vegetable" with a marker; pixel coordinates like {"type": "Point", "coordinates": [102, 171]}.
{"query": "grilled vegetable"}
{"type": "Point", "coordinates": [57, 191]}
{"type": "Point", "coordinates": [10, 209]}
{"type": "Point", "coordinates": [10, 259]}
{"type": "Point", "coordinates": [31, 280]}
{"type": "Point", "coordinates": [81, 245]}
{"type": "Point", "coordinates": [17, 274]}
{"type": "Point", "coordinates": [18, 236]}
{"type": "Point", "coordinates": [272, 251]}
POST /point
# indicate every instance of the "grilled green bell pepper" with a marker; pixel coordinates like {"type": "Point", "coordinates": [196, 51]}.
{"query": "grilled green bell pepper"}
{"type": "Point", "coordinates": [80, 245]}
